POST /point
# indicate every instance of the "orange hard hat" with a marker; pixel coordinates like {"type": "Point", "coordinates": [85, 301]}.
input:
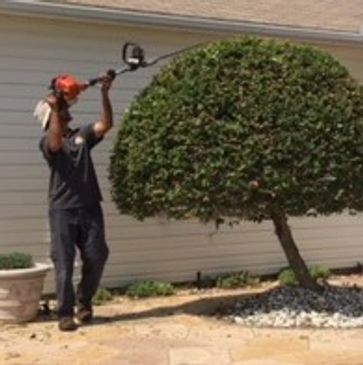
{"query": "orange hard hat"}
{"type": "Point", "coordinates": [68, 85]}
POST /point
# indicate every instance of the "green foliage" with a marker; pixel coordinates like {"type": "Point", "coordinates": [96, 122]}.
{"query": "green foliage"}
{"type": "Point", "coordinates": [16, 260]}
{"type": "Point", "coordinates": [102, 296]}
{"type": "Point", "coordinates": [235, 280]}
{"type": "Point", "coordinates": [238, 128]}
{"type": "Point", "coordinates": [319, 272]}
{"type": "Point", "coordinates": [288, 278]}
{"type": "Point", "coordinates": [146, 289]}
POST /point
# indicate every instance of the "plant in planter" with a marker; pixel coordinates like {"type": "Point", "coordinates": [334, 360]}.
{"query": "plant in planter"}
{"type": "Point", "coordinates": [21, 285]}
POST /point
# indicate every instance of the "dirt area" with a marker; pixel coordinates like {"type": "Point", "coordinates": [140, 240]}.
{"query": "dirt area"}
{"type": "Point", "coordinates": [177, 330]}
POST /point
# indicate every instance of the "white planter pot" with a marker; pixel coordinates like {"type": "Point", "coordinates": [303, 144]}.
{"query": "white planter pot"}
{"type": "Point", "coordinates": [20, 291]}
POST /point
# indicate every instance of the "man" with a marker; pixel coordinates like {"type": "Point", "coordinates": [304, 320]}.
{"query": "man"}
{"type": "Point", "coordinates": [75, 214]}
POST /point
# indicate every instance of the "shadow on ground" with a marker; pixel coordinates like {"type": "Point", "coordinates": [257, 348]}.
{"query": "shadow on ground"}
{"type": "Point", "coordinates": [219, 305]}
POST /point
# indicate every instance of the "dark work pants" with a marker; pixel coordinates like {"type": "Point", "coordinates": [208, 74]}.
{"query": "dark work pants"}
{"type": "Point", "coordinates": [83, 228]}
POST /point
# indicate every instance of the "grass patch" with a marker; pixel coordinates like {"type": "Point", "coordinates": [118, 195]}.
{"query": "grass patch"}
{"type": "Point", "coordinates": [102, 296]}
{"type": "Point", "coordinates": [236, 280]}
{"type": "Point", "coordinates": [150, 288]}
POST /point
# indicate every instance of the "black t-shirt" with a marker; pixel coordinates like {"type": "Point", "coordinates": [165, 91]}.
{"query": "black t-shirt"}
{"type": "Point", "coordinates": [73, 181]}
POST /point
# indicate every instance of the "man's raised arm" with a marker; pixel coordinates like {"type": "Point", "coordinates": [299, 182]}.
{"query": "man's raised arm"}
{"type": "Point", "coordinates": [101, 127]}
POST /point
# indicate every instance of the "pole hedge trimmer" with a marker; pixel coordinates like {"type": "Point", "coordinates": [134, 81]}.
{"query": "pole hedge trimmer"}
{"type": "Point", "coordinates": [67, 88]}
{"type": "Point", "coordinates": [133, 57]}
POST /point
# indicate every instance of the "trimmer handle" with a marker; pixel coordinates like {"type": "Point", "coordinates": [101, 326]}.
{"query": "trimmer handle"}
{"type": "Point", "coordinates": [92, 82]}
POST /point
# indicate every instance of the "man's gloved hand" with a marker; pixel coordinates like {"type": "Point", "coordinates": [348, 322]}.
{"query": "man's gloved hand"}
{"type": "Point", "coordinates": [58, 101]}
{"type": "Point", "coordinates": [106, 80]}
{"type": "Point", "coordinates": [53, 101]}
{"type": "Point", "coordinates": [60, 105]}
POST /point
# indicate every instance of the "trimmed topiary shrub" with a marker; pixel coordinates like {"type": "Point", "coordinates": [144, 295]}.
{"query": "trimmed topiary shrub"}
{"type": "Point", "coordinates": [15, 260]}
{"type": "Point", "coordinates": [246, 129]}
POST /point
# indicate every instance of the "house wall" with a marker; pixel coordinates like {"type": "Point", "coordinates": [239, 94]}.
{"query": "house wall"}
{"type": "Point", "coordinates": [32, 51]}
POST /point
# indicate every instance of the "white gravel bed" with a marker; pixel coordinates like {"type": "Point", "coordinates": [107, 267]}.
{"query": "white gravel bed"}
{"type": "Point", "coordinates": [286, 307]}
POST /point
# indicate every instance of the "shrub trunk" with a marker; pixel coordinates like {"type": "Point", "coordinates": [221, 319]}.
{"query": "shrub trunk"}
{"type": "Point", "coordinates": [292, 253]}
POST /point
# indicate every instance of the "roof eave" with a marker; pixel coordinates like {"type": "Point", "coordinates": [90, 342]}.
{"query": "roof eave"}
{"type": "Point", "coordinates": [78, 13]}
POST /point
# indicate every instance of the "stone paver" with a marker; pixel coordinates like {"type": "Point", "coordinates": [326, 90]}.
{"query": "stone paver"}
{"type": "Point", "coordinates": [161, 333]}
{"type": "Point", "coordinates": [197, 356]}
{"type": "Point", "coordinates": [262, 362]}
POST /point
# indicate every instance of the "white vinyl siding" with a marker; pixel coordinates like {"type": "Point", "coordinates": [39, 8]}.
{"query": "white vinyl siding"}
{"type": "Point", "coordinates": [32, 51]}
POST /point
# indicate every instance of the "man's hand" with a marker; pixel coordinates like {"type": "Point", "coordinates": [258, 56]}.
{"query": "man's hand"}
{"type": "Point", "coordinates": [106, 82]}
{"type": "Point", "coordinates": [53, 102]}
